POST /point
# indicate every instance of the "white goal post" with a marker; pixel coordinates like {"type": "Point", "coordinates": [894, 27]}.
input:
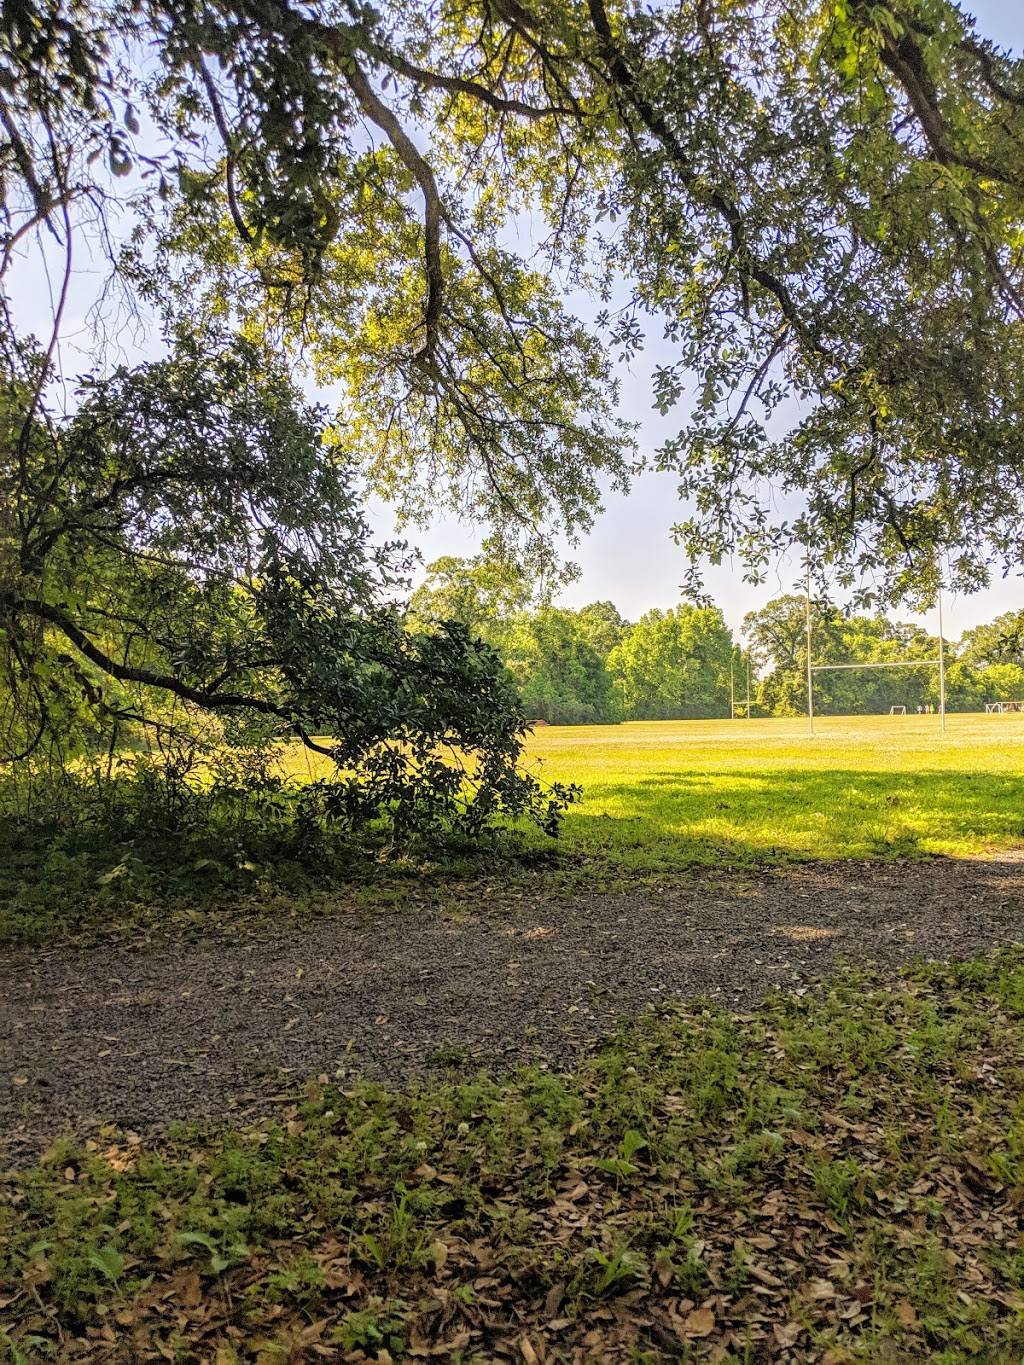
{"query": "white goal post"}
{"type": "Point", "coordinates": [897, 710]}
{"type": "Point", "coordinates": [994, 708]}
{"type": "Point", "coordinates": [812, 668]}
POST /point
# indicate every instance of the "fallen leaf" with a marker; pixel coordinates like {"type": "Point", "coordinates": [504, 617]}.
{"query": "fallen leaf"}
{"type": "Point", "coordinates": [699, 1323]}
{"type": "Point", "coordinates": [554, 1298]}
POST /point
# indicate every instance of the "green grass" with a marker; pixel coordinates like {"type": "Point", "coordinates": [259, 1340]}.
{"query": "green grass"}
{"type": "Point", "coordinates": [661, 797]}
{"type": "Point", "coordinates": [837, 1176]}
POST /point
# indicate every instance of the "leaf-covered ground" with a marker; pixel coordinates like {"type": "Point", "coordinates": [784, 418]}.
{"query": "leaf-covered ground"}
{"type": "Point", "coordinates": [834, 1177]}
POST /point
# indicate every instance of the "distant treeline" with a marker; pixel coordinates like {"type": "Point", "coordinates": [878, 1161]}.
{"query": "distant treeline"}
{"type": "Point", "coordinates": [591, 666]}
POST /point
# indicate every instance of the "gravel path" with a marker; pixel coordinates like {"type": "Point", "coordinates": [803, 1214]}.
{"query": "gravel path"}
{"type": "Point", "coordinates": [217, 1028]}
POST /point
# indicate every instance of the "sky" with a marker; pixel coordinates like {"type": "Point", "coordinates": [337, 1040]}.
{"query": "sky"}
{"type": "Point", "coordinates": [630, 558]}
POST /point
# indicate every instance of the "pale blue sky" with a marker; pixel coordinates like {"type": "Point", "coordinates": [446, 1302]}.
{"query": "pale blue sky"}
{"type": "Point", "coordinates": [630, 557]}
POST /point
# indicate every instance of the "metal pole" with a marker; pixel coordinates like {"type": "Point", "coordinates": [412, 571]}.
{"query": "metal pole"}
{"type": "Point", "coordinates": [748, 687]}
{"type": "Point", "coordinates": [732, 685]}
{"type": "Point", "coordinates": [942, 667]}
{"type": "Point", "coordinates": [810, 674]}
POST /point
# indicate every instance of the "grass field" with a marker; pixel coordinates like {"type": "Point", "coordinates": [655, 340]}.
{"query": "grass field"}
{"type": "Point", "coordinates": [663, 796]}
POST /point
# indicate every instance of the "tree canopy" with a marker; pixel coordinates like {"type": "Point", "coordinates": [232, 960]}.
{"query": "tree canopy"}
{"type": "Point", "coordinates": [674, 665]}
{"type": "Point", "coordinates": [818, 202]}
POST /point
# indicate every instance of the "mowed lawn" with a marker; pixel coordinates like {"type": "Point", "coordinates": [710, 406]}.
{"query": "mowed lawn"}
{"type": "Point", "coordinates": [662, 796]}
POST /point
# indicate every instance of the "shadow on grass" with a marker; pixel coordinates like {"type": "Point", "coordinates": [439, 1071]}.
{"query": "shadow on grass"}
{"type": "Point", "coordinates": [675, 820]}
{"type": "Point", "coordinates": [624, 833]}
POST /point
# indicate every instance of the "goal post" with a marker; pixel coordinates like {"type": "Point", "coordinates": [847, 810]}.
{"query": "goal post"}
{"type": "Point", "coordinates": [813, 668]}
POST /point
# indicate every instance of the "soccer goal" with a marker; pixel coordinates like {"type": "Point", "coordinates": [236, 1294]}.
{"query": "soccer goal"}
{"type": "Point", "coordinates": [813, 668]}
{"type": "Point", "coordinates": [994, 708]}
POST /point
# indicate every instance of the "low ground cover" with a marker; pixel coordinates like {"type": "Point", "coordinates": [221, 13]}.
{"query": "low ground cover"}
{"type": "Point", "coordinates": [832, 1177]}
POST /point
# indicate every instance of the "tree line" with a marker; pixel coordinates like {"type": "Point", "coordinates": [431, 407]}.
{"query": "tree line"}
{"type": "Point", "coordinates": [592, 666]}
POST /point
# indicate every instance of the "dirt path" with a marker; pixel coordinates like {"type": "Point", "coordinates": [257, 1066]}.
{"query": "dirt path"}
{"type": "Point", "coordinates": [140, 1037]}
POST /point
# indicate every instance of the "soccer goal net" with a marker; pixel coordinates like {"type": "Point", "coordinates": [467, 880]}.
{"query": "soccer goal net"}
{"type": "Point", "coordinates": [897, 710]}
{"type": "Point", "coordinates": [994, 708]}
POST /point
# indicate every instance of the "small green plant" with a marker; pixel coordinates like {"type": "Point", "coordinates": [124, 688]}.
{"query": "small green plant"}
{"type": "Point", "coordinates": [107, 1260]}
{"type": "Point", "coordinates": [622, 1165]}
{"type": "Point", "coordinates": [221, 1252]}
{"type": "Point", "coordinates": [378, 1326]}
{"type": "Point", "coordinates": [840, 1184]}
{"type": "Point", "coordinates": [397, 1242]}
{"type": "Point", "coordinates": [612, 1270]}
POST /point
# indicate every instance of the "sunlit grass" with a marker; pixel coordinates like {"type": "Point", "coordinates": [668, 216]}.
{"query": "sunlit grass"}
{"type": "Point", "coordinates": [659, 799]}
{"type": "Point", "coordinates": [661, 796]}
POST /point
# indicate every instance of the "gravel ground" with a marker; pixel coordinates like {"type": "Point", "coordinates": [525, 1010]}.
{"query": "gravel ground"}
{"type": "Point", "coordinates": [219, 1028]}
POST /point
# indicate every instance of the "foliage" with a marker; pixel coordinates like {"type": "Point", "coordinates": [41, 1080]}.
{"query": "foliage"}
{"type": "Point", "coordinates": [819, 201]}
{"type": "Point", "coordinates": [996, 642]}
{"type": "Point", "coordinates": [603, 625]}
{"type": "Point", "coordinates": [980, 669]}
{"type": "Point", "coordinates": [674, 664]}
{"type": "Point", "coordinates": [778, 642]}
{"type": "Point", "coordinates": [556, 656]}
{"type": "Point", "coordinates": [185, 557]}
{"type": "Point", "coordinates": [293, 203]}
{"type": "Point", "coordinates": [853, 1153]}
{"type": "Point", "coordinates": [560, 674]}
{"type": "Point", "coordinates": [823, 205]}
{"type": "Point", "coordinates": [481, 594]}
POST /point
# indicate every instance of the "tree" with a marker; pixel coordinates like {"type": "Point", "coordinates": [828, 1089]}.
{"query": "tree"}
{"type": "Point", "coordinates": [482, 594]}
{"type": "Point", "coordinates": [1003, 682]}
{"type": "Point", "coordinates": [996, 642]}
{"type": "Point", "coordinates": [184, 552]}
{"type": "Point", "coordinates": [154, 561]}
{"type": "Point", "coordinates": [823, 201]}
{"type": "Point", "coordinates": [560, 675]}
{"type": "Point", "coordinates": [603, 625]}
{"type": "Point", "coordinates": [674, 665]}
{"type": "Point", "coordinates": [778, 638]}
{"type": "Point", "coordinates": [292, 198]}
{"type": "Point", "coordinates": [819, 200]}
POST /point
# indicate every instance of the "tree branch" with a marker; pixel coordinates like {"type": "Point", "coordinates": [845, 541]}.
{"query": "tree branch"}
{"type": "Point", "coordinates": [166, 682]}
{"type": "Point", "coordinates": [377, 111]}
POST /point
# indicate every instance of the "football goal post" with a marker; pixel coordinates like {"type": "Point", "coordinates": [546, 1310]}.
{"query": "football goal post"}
{"type": "Point", "coordinates": [813, 668]}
